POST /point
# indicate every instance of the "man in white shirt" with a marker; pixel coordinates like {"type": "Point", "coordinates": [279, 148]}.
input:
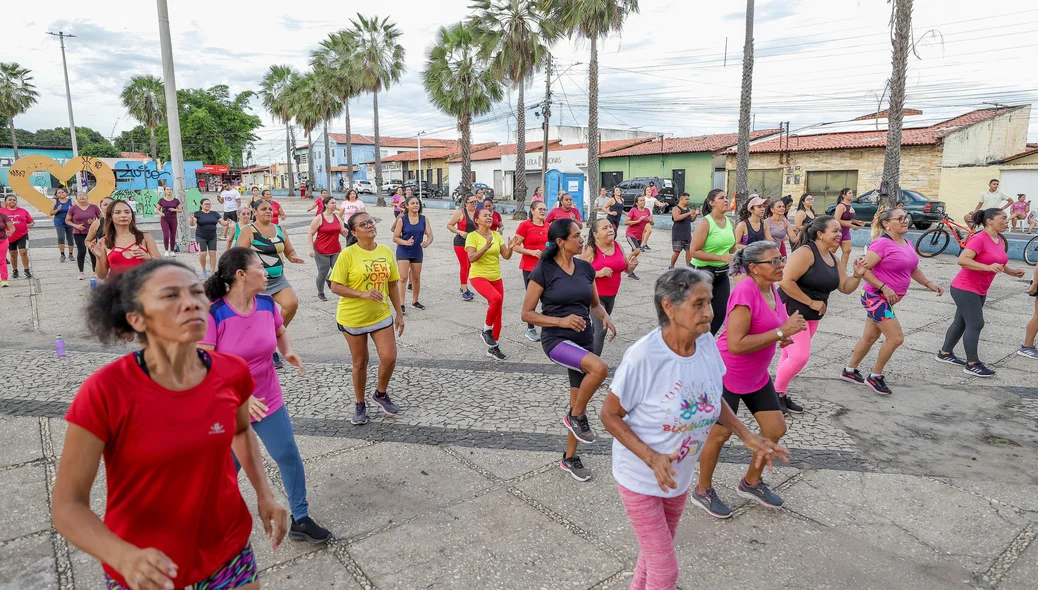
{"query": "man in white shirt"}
{"type": "Point", "coordinates": [992, 199]}
{"type": "Point", "coordinates": [230, 198]}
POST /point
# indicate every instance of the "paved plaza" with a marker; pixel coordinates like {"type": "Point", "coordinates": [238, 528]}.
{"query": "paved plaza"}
{"type": "Point", "coordinates": [933, 487]}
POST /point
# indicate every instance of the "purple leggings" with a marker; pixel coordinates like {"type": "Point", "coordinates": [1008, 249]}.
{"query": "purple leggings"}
{"type": "Point", "coordinates": [169, 232]}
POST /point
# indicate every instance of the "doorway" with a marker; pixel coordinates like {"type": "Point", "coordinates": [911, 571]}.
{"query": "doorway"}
{"type": "Point", "coordinates": [678, 178]}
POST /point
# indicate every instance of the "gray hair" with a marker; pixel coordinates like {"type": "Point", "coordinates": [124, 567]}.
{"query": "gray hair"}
{"type": "Point", "coordinates": [751, 254]}
{"type": "Point", "coordinates": [676, 286]}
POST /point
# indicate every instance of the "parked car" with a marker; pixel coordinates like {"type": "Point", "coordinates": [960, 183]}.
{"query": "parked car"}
{"type": "Point", "coordinates": [392, 185]}
{"type": "Point", "coordinates": [365, 186]}
{"type": "Point", "coordinates": [633, 188]}
{"type": "Point", "coordinates": [924, 212]}
{"type": "Point", "coordinates": [427, 190]}
{"type": "Point", "coordinates": [487, 191]}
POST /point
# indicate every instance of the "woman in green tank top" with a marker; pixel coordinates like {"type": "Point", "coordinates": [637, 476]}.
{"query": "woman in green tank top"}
{"type": "Point", "coordinates": [713, 243]}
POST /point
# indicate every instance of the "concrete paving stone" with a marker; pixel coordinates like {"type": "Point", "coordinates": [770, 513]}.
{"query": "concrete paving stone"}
{"type": "Point", "coordinates": [1016, 496]}
{"type": "Point", "coordinates": [28, 564]}
{"type": "Point", "coordinates": [453, 547]}
{"type": "Point", "coordinates": [20, 439]}
{"type": "Point", "coordinates": [316, 570]}
{"type": "Point", "coordinates": [506, 464]}
{"type": "Point", "coordinates": [316, 446]}
{"type": "Point", "coordinates": [1012, 377]}
{"type": "Point", "coordinates": [87, 571]}
{"type": "Point", "coordinates": [266, 556]}
{"type": "Point", "coordinates": [58, 428]}
{"type": "Point", "coordinates": [1024, 572]}
{"type": "Point", "coordinates": [23, 501]}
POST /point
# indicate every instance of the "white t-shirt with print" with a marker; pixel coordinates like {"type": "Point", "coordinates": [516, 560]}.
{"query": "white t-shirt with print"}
{"type": "Point", "coordinates": [671, 403]}
{"type": "Point", "coordinates": [230, 199]}
{"type": "Point", "coordinates": [991, 200]}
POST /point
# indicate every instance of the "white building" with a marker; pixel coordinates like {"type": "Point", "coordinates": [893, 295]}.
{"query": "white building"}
{"type": "Point", "coordinates": [570, 134]}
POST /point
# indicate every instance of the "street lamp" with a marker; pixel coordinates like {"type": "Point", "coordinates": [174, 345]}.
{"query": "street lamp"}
{"type": "Point", "coordinates": [68, 97]}
{"type": "Point", "coordinates": [420, 134]}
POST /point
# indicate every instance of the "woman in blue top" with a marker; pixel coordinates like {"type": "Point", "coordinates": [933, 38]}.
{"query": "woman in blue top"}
{"type": "Point", "coordinates": [412, 234]}
{"type": "Point", "coordinates": [64, 230]}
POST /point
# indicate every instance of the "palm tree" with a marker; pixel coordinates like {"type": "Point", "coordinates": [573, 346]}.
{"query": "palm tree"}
{"type": "Point", "coordinates": [901, 40]}
{"type": "Point", "coordinates": [274, 93]}
{"type": "Point", "coordinates": [336, 59]}
{"type": "Point", "coordinates": [515, 36]}
{"type": "Point", "coordinates": [328, 107]}
{"type": "Point", "coordinates": [461, 82]}
{"type": "Point", "coordinates": [307, 112]}
{"type": "Point", "coordinates": [742, 154]}
{"type": "Point", "coordinates": [17, 94]}
{"type": "Point", "coordinates": [591, 19]}
{"type": "Point", "coordinates": [145, 99]}
{"type": "Point", "coordinates": [379, 63]}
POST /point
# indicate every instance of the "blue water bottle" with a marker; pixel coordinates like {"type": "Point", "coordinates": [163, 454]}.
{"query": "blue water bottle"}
{"type": "Point", "coordinates": [59, 345]}
{"type": "Point", "coordinates": [93, 284]}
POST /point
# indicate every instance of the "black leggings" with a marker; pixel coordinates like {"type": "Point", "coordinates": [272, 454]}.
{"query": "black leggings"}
{"type": "Point", "coordinates": [600, 331]}
{"type": "Point", "coordinates": [968, 322]}
{"type": "Point", "coordinates": [81, 252]}
{"type": "Point", "coordinates": [722, 289]}
{"type": "Point", "coordinates": [526, 283]}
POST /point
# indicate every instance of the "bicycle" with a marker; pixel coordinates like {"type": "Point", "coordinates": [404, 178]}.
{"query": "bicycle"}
{"type": "Point", "coordinates": [937, 239]}
{"type": "Point", "coordinates": [1031, 251]}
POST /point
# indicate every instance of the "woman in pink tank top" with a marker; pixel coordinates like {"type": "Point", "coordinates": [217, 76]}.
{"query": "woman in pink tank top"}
{"type": "Point", "coordinates": [609, 261]}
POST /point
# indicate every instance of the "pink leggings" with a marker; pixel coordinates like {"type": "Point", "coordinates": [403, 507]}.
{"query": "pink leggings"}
{"type": "Point", "coordinates": [494, 293]}
{"type": "Point", "coordinates": [794, 357]}
{"type": "Point", "coordinates": [3, 258]}
{"type": "Point", "coordinates": [654, 520]}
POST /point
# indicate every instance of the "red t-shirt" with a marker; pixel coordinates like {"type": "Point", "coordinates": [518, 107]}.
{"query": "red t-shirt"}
{"type": "Point", "coordinates": [171, 478]}
{"type": "Point", "coordinates": [277, 210]}
{"type": "Point", "coordinates": [637, 230]}
{"type": "Point", "coordinates": [535, 237]}
{"type": "Point", "coordinates": [560, 213]}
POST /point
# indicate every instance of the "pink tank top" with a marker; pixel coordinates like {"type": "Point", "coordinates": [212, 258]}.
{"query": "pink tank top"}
{"type": "Point", "coordinates": [609, 286]}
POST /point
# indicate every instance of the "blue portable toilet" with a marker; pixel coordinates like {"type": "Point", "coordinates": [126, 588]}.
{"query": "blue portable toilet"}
{"type": "Point", "coordinates": [552, 186]}
{"type": "Point", "coordinates": [573, 183]}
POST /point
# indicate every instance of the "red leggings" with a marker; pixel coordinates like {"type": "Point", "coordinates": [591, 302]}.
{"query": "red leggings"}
{"type": "Point", "coordinates": [494, 293]}
{"type": "Point", "coordinates": [463, 260]}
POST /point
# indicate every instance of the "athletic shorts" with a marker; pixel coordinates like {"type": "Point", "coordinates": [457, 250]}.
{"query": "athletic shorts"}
{"type": "Point", "coordinates": [876, 307]}
{"type": "Point", "coordinates": [237, 572]}
{"type": "Point", "coordinates": [568, 354]}
{"type": "Point", "coordinates": [764, 399]}
{"type": "Point", "coordinates": [633, 243]}
{"type": "Point", "coordinates": [386, 323]}
{"type": "Point", "coordinates": [412, 260]}
{"type": "Point", "coordinates": [232, 215]}
{"type": "Point", "coordinates": [276, 285]}
{"type": "Point", "coordinates": [21, 243]}
{"type": "Point", "coordinates": [680, 245]}
{"type": "Point", "coordinates": [206, 244]}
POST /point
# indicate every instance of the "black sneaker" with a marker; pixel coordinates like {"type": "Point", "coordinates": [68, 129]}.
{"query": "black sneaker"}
{"type": "Point", "coordinates": [579, 427]}
{"type": "Point", "coordinates": [575, 468]}
{"type": "Point", "coordinates": [382, 399]}
{"type": "Point", "coordinates": [854, 376]}
{"type": "Point", "coordinates": [782, 405]}
{"type": "Point", "coordinates": [878, 384]}
{"type": "Point", "coordinates": [709, 501]}
{"type": "Point", "coordinates": [15, 275]}
{"type": "Point", "coordinates": [417, 305]}
{"type": "Point", "coordinates": [495, 353]}
{"type": "Point", "coordinates": [322, 297]}
{"type": "Point", "coordinates": [950, 358]}
{"type": "Point", "coordinates": [409, 287]}
{"type": "Point", "coordinates": [360, 415]}
{"type": "Point", "coordinates": [488, 338]}
{"type": "Point", "coordinates": [28, 274]}
{"type": "Point", "coordinates": [759, 493]}
{"type": "Point", "coordinates": [277, 361]}
{"type": "Point", "coordinates": [467, 296]}
{"type": "Point", "coordinates": [305, 529]}
{"type": "Point", "coordinates": [978, 369]}
{"type": "Point", "coordinates": [646, 248]}
{"type": "Point", "coordinates": [403, 310]}
{"type": "Point", "coordinates": [791, 406]}
{"type": "Point", "coordinates": [633, 276]}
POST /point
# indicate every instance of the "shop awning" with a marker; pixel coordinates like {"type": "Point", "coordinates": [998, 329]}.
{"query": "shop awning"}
{"type": "Point", "coordinates": [213, 169]}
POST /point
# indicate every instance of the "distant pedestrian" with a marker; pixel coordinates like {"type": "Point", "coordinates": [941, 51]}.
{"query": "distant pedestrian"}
{"type": "Point", "coordinates": [1027, 349]}
{"type": "Point", "coordinates": [989, 199]}
{"type": "Point", "coordinates": [565, 209]}
{"type": "Point", "coordinates": [323, 239]}
{"type": "Point", "coordinates": [59, 212]}
{"type": "Point", "coordinates": [485, 247]}
{"type": "Point", "coordinates": [531, 238]}
{"type": "Point", "coordinates": [412, 234]}
{"type": "Point", "coordinates": [682, 217]}
{"type": "Point", "coordinates": [167, 209]}
{"type": "Point", "coordinates": [230, 197]}
{"type": "Point", "coordinates": [844, 213]}
{"type": "Point", "coordinates": [19, 238]}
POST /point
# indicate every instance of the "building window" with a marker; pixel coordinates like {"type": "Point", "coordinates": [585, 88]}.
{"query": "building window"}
{"type": "Point", "coordinates": [827, 185]}
{"type": "Point", "coordinates": [384, 153]}
{"type": "Point", "coordinates": [766, 183]}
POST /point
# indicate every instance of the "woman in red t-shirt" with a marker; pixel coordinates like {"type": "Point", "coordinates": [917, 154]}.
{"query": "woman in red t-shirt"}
{"type": "Point", "coordinates": [327, 226]}
{"type": "Point", "coordinates": [609, 261]}
{"type": "Point", "coordinates": [531, 238]}
{"type": "Point", "coordinates": [565, 210]}
{"type": "Point", "coordinates": [166, 419]}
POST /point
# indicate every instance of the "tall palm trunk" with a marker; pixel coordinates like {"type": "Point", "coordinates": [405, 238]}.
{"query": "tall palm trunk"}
{"type": "Point", "coordinates": [592, 123]}
{"type": "Point", "coordinates": [349, 145]}
{"type": "Point", "coordinates": [520, 155]}
{"type": "Point", "coordinates": [288, 159]}
{"type": "Point", "coordinates": [14, 137]}
{"type": "Point", "coordinates": [310, 156]}
{"type": "Point", "coordinates": [465, 126]}
{"type": "Point", "coordinates": [378, 156]}
{"type": "Point", "coordinates": [900, 39]}
{"type": "Point", "coordinates": [327, 157]}
{"type": "Point", "coordinates": [742, 155]}
{"type": "Point", "coordinates": [154, 148]}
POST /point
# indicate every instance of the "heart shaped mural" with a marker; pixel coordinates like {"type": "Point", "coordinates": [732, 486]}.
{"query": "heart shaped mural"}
{"type": "Point", "coordinates": [23, 168]}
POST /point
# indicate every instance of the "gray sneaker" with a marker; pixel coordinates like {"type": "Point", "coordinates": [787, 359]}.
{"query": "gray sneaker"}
{"type": "Point", "coordinates": [1030, 352]}
{"type": "Point", "coordinates": [760, 493]}
{"type": "Point", "coordinates": [709, 501]}
{"type": "Point", "coordinates": [532, 335]}
{"type": "Point", "coordinates": [575, 468]}
{"type": "Point", "coordinates": [488, 338]}
{"type": "Point", "coordinates": [579, 427]}
{"type": "Point", "coordinates": [382, 399]}
{"type": "Point", "coordinates": [361, 415]}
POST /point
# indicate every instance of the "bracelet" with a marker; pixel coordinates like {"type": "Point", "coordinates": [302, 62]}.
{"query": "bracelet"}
{"type": "Point", "coordinates": [881, 287]}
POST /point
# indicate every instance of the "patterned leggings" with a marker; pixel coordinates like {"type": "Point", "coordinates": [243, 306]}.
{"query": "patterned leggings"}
{"type": "Point", "coordinates": [654, 520]}
{"type": "Point", "coordinates": [237, 572]}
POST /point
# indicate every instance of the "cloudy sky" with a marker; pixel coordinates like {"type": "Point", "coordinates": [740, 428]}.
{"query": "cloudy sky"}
{"type": "Point", "coordinates": [669, 72]}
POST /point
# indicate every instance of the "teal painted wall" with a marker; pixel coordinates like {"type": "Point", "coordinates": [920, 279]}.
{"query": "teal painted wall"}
{"type": "Point", "coordinates": [698, 166]}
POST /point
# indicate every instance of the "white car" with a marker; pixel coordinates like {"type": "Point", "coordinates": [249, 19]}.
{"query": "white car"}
{"type": "Point", "coordinates": [366, 186]}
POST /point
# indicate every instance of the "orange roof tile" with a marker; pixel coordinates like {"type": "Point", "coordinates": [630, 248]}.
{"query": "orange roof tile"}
{"type": "Point", "coordinates": [684, 145]}
{"type": "Point", "coordinates": [495, 152]}
{"type": "Point", "coordinates": [386, 141]}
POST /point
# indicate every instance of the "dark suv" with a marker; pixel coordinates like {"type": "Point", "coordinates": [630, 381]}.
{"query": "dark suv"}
{"type": "Point", "coordinates": [633, 188]}
{"type": "Point", "coordinates": [427, 189]}
{"type": "Point", "coordinates": [924, 212]}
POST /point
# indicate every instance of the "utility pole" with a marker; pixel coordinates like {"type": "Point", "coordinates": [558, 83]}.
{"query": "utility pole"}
{"type": "Point", "coordinates": [420, 134]}
{"type": "Point", "coordinates": [176, 149]}
{"type": "Point", "coordinates": [68, 97]}
{"type": "Point", "coordinates": [546, 112]}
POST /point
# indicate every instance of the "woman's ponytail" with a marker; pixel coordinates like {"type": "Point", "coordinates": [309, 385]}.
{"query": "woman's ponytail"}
{"type": "Point", "coordinates": [221, 281]}
{"type": "Point", "coordinates": [558, 230]}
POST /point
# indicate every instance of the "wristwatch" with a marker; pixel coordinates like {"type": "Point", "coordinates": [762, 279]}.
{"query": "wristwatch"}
{"type": "Point", "coordinates": [780, 334]}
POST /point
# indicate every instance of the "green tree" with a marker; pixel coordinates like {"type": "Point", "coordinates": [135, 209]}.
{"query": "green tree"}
{"type": "Point", "coordinates": [144, 98]}
{"type": "Point", "coordinates": [379, 63]}
{"type": "Point", "coordinates": [461, 82]}
{"type": "Point", "coordinates": [100, 150]}
{"type": "Point", "coordinates": [515, 36]}
{"type": "Point", "coordinates": [17, 94]}
{"type": "Point", "coordinates": [134, 140]}
{"type": "Point", "coordinates": [61, 136]}
{"type": "Point", "coordinates": [274, 93]}
{"type": "Point", "coordinates": [337, 59]}
{"type": "Point", "coordinates": [591, 20]}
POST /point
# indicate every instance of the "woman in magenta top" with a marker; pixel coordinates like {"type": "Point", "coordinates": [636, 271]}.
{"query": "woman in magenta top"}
{"type": "Point", "coordinates": [325, 248]}
{"type": "Point", "coordinates": [757, 323]}
{"type": "Point", "coordinates": [983, 257]}
{"type": "Point", "coordinates": [609, 261]}
{"type": "Point", "coordinates": [892, 264]}
{"type": "Point", "coordinates": [637, 219]}
{"type": "Point", "coordinates": [19, 239]}
{"type": "Point", "coordinates": [398, 201]}
{"type": "Point", "coordinates": [81, 215]}
{"type": "Point", "coordinates": [531, 238]}
{"type": "Point", "coordinates": [844, 213]}
{"type": "Point", "coordinates": [565, 210]}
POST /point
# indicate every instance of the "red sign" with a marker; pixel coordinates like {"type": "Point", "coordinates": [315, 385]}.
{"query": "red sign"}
{"type": "Point", "coordinates": [213, 169]}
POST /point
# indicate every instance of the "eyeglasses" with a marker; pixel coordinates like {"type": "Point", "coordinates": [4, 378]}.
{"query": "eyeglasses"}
{"type": "Point", "coordinates": [780, 261]}
{"type": "Point", "coordinates": [365, 224]}
{"type": "Point", "coordinates": [899, 218]}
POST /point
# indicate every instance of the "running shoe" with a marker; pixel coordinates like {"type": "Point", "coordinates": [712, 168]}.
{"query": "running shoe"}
{"type": "Point", "coordinates": [488, 338]}
{"type": "Point", "coordinates": [417, 305]}
{"type": "Point", "coordinates": [854, 376]}
{"type": "Point", "coordinates": [950, 358]}
{"type": "Point", "coordinates": [646, 248]}
{"type": "Point", "coordinates": [81, 276]}
{"type": "Point", "coordinates": [277, 361]}
{"type": "Point", "coordinates": [532, 335]}
{"type": "Point", "coordinates": [579, 427]}
{"type": "Point", "coordinates": [63, 257]}
{"type": "Point", "coordinates": [878, 384]}
{"type": "Point", "coordinates": [575, 467]}
{"type": "Point", "coordinates": [360, 415]}
{"type": "Point", "coordinates": [305, 529]}
{"type": "Point", "coordinates": [387, 405]}
{"type": "Point", "coordinates": [709, 501]}
{"type": "Point", "coordinates": [403, 310]}
{"type": "Point", "coordinates": [322, 297]}
{"type": "Point", "coordinates": [28, 274]}
{"type": "Point", "coordinates": [494, 352]}
{"type": "Point", "coordinates": [205, 275]}
{"type": "Point", "coordinates": [759, 493]}
{"type": "Point", "coordinates": [409, 287]}
{"type": "Point", "coordinates": [1030, 352]}
{"type": "Point", "coordinates": [633, 276]}
{"type": "Point", "coordinates": [791, 406]}
{"type": "Point", "coordinates": [15, 276]}
{"type": "Point", "coordinates": [467, 296]}
{"type": "Point", "coordinates": [3, 284]}
{"type": "Point", "coordinates": [978, 369]}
